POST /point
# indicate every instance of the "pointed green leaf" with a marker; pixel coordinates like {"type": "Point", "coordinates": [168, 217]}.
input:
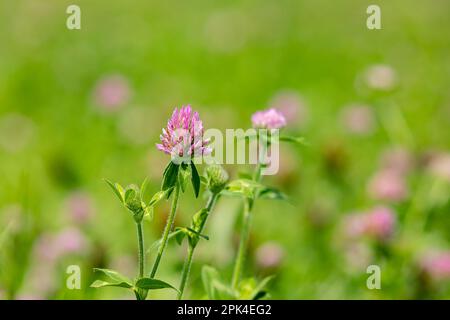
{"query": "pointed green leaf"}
{"type": "Point", "coordinates": [183, 179]}
{"type": "Point", "coordinates": [114, 276]}
{"type": "Point", "coordinates": [209, 274]}
{"type": "Point", "coordinates": [117, 191]}
{"type": "Point", "coordinates": [101, 284]}
{"type": "Point", "coordinates": [170, 177]}
{"type": "Point", "coordinates": [129, 194]}
{"type": "Point", "coordinates": [195, 179]}
{"type": "Point", "coordinates": [243, 187]}
{"type": "Point", "coordinates": [198, 220]}
{"type": "Point", "coordinates": [258, 292]}
{"type": "Point", "coordinates": [203, 180]}
{"type": "Point", "coordinates": [272, 193]}
{"type": "Point", "coordinates": [152, 284]}
{"type": "Point", "coordinates": [214, 287]}
{"type": "Point", "coordinates": [143, 187]}
{"type": "Point", "coordinates": [297, 140]}
{"type": "Point", "coordinates": [159, 196]}
{"type": "Point", "coordinates": [180, 235]}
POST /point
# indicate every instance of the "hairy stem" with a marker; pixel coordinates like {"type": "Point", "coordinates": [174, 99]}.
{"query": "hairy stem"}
{"type": "Point", "coordinates": [141, 250]}
{"type": "Point", "coordinates": [245, 232]}
{"type": "Point", "coordinates": [186, 269]}
{"type": "Point", "coordinates": [191, 248]}
{"type": "Point", "coordinates": [167, 229]}
{"type": "Point", "coordinates": [242, 245]}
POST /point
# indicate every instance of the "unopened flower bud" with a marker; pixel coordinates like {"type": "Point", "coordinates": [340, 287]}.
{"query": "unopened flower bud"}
{"type": "Point", "coordinates": [133, 202]}
{"type": "Point", "coordinates": [217, 178]}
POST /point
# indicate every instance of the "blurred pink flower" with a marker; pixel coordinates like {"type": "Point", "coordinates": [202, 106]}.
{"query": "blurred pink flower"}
{"type": "Point", "coordinates": [437, 265]}
{"type": "Point", "coordinates": [358, 119]}
{"type": "Point", "coordinates": [69, 241]}
{"type": "Point", "coordinates": [291, 105]}
{"type": "Point", "coordinates": [183, 135]}
{"type": "Point", "coordinates": [378, 223]}
{"type": "Point", "coordinates": [79, 207]}
{"type": "Point", "coordinates": [268, 119]}
{"type": "Point", "coordinates": [398, 160]}
{"type": "Point", "coordinates": [439, 165]}
{"type": "Point", "coordinates": [387, 185]}
{"type": "Point", "coordinates": [269, 255]}
{"type": "Point", "coordinates": [112, 92]}
{"type": "Point", "coordinates": [381, 77]}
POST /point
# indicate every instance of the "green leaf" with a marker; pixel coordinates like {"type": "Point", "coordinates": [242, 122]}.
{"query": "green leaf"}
{"type": "Point", "coordinates": [152, 284]}
{"type": "Point", "coordinates": [261, 295]}
{"type": "Point", "coordinates": [182, 232]}
{"type": "Point", "coordinates": [244, 187]}
{"type": "Point", "coordinates": [143, 187]}
{"type": "Point", "coordinates": [203, 180]}
{"type": "Point", "coordinates": [258, 292]}
{"type": "Point", "coordinates": [149, 213]}
{"type": "Point", "coordinates": [209, 275]}
{"type": "Point", "coordinates": [129, 194]}
{"type": "Point", "coordinates": [159, 196]}
{"type": "Point", "coordinates": [117, 280]}
{"type": "Point", "coordinates": [199, 218]}
{"type": "Point", "coordinates": [214, 287]}
{"type": "Point", "coordinates": [114, 275]}
{"type": "Point", "coordinates": [101, 284]}
{"type": "Point", "coordinates": [223, 291]}
{"type": "Point", "coordinates": [117, 188]}
{"type": "Point", "coordinates": [272, 193]}
{"type": "Point", "coordinates": [170, 177]}
{"type": "Point", "coordinates": [297, 140]}
{"type": "Point", "coordinates": [195, 179]}
{"type": "Point", "coordinates": [183, 177]}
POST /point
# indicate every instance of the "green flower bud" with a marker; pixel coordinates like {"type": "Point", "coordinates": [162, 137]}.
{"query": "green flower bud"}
{"type": "Point", "coordinates": [133, 202]}
{"type": "Point", "coordinates": [217, 178]}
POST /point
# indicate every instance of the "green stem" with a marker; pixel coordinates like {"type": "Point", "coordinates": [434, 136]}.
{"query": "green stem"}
{"type": "Point", "coordinates": [245, 232]}
{"type": "Point", "coordinates": [188, 261]}
{"type": "Point", "coordinates": [141, 249]}
{"type": "Point", "coordinates": [167, 229]}
{"type": "Point", "coordinates": [186, 269]}
{"type": "Point", "coordinates": [242, 245]}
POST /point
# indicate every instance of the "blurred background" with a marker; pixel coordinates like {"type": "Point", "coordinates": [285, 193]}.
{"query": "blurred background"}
{"type": "Point", "coordinates": [372, 187]}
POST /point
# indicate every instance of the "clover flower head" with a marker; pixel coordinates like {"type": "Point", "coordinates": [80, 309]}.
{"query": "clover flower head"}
{"type": "Point", "coordinates": [268, 119]}
{"type": "Point", "coordinates": [183, 135]}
